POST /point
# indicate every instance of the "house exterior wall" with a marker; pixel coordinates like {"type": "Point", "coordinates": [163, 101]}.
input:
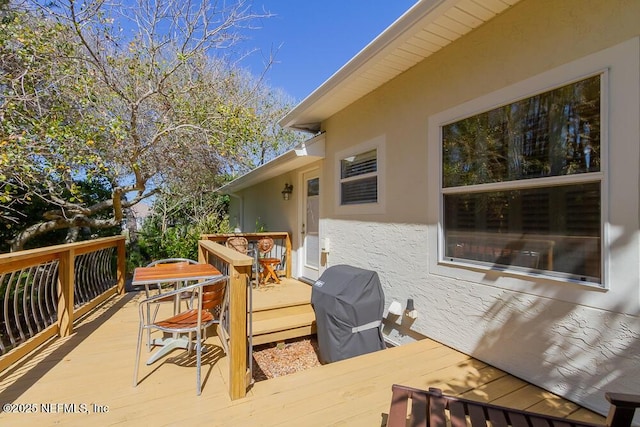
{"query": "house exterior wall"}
{"type": "Point", "coordinates": [575, 340]}
{"type": "Point", "coordinates": [572, 339]}
{"type": "Point", "coordinates": [262, 208]}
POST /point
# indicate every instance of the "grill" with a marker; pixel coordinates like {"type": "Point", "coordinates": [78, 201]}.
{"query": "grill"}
{"type": "Point", "coordinates": [348, 303]}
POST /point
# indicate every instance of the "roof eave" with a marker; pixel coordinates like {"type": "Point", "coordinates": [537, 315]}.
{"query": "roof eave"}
{"type": "Point", "coordinates": [395, 30]}
{"type": "Point", "coordinates": [426, 28]}
{"type": "Point", "coordinates": [306, 153]}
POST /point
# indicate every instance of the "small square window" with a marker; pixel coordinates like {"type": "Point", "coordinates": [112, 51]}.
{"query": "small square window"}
{"type": "Point", "coordinates": [359, 184]}
{"type": "Point", "coordinates": [359, 179]}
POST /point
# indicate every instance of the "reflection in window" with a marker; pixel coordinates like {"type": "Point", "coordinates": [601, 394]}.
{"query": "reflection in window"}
{"type": "Point", "coordinates": [552, 134]}
{"type": "Point", "coordinates": [550, 226]}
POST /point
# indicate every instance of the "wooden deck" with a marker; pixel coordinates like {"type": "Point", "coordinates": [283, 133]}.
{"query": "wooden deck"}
{"type": "Point", "coordinates": [87, 379]}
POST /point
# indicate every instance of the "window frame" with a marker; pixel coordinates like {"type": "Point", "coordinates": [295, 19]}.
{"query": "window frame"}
{"type": "Point", "coordinates": [546, 81]}
{"type": "Point", "coordinates": [377, 144]}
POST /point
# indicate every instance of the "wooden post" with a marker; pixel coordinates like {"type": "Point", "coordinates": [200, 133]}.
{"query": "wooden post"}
{"type": "Point", "coordinates": [203, 257]}
{"type": "Point", "coordinates": [238, 279]}
{"type": "Point", "coordinates": [66, 279]}
{"type": "Point", "coordinates": [122, 266]}
{"type": "Point", "coordinates": [288, 246]}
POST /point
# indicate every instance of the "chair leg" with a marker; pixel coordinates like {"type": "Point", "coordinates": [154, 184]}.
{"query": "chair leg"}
{"type": "Point", "coordinates": [138, 351]}
{"type": "Point", "coordinates": [198, 362]}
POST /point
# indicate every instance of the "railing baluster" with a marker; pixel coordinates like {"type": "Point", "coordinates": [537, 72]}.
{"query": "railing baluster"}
{"type": "Point", "coordinates": [79, 282]}
{"type": "Point", "coordinates": [52, 281]}
{"type": "Point", "coordinates": [39, 297]}
{"type": "Point", "coordinates": [92, 278]}
{"type": "Point", "coordinates": [107, 277]}
{"type": "Point", "coordinates": [5, 318]}
{"type": "Point", "coordinates": [16, 304]}
{"type": "Point", "coordinates": [27, 299]}
{"type": "Point", "coordinates": [97, 271]}
{"type": "Point", "coordinates": [7, 312]}
{"type": "Point", "coordinates": [89, 260]}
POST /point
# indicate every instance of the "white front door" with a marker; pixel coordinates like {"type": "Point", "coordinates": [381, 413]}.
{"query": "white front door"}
{"type": "Point", "coordinates": [310, 236]}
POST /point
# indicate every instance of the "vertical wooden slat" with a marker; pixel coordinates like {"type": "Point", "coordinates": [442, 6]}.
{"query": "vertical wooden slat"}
{"type": "Point", "coordinates": [518, 420]}
{"type": "Point", "coordinates": [66, 275]}
{"type": "Point", "coordinates": [457, 414]}
{"type": "Point", "coordinates": [437, 416]}
{"type": "Point", "coordinates": [476, 416]}
{"type": "Point", "coordinates": [497, 417]}
{"type": "Point", "coordinates": [122, 265]}
{"type": "Point", "coordinates": [536, 421]}
{"type": "Point", "coordinates": [419, 409]}
{"type": "Point", "coordinates": [398, 410]}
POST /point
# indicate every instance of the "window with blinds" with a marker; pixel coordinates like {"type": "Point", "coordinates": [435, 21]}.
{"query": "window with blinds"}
{"type": "Point", "coordinates": [359, 178]}
{"type": "Point", "coordinates": [521, 184]}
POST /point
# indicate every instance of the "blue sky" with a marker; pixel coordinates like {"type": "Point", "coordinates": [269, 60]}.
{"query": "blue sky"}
{"type": "Point", "coordinates": [314, 38]}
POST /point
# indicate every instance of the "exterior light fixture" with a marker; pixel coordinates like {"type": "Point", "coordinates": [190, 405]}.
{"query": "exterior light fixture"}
{"type": "Point", "coordinates": [286, 193]}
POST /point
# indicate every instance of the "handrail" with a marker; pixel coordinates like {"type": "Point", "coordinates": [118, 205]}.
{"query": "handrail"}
{"type": "Point", "coordinates": [43, 290]}
{"type": "Point", "coordinates": [238, 267]}
{"type": "Point", "coordinates": [282, 247]}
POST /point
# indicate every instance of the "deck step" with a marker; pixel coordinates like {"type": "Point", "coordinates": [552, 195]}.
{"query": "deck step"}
{"type": "Point", "coordinates": [286, 294]}
{"type": "Point", "coordinates": [283, 323]}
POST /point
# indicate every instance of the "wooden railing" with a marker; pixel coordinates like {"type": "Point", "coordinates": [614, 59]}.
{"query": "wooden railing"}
{"type": "Point", "coordinates": [281, 248]}
{"type": "Point", "coordinates": [212, 250]}
{"type": "Point", "coordinates": [43, 290]}
{"type": "Point", "coordinates": [238, 267]}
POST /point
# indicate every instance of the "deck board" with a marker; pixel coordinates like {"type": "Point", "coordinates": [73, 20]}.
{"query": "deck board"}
{"type": "Point", "coordinates": [95, 365]}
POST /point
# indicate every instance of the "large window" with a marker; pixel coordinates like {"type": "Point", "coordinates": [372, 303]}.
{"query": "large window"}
{"type": "Point", "coordinates": [521, 184]}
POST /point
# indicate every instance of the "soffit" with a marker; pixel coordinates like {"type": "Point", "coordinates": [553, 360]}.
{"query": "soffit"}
{"type": "Point", "coordinates": [302, 155]}
{"type": "Point", "coordinates": [427, 27]}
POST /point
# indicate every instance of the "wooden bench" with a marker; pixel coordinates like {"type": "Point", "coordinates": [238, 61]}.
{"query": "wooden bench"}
{"type": "Point", "coordinates": [434, 409]}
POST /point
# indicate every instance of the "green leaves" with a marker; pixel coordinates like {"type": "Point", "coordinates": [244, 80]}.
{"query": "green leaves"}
{"type": "Point", "coordinates": [144, 109]}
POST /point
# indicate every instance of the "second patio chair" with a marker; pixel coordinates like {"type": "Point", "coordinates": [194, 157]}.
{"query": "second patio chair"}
{"type": "Point", "coordinates": [268, 263]}
{"type": "Point", "coordinates": [209, 304]}
{"type": "Point", "coordinates": [241, 244]}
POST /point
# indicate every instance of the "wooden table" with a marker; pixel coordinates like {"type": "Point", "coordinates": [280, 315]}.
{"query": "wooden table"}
{"type": "Point", "coordinates": [179, 273]}
{"type": "Point", "coordinates": [176, 272]}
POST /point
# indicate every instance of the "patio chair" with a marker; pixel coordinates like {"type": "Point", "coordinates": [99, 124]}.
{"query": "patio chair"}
{"type": "Point", "coordinates": [267, 263]}
{"type": "Point", "coordinates": [241, 244]}
{"type": "Point", "coordinates": [434, 409]}
{"type": "Point", "coordinates": [209, 304]}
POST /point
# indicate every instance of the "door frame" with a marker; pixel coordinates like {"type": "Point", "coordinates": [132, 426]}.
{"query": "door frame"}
{"type": "Point", "coordinates": [302, 270]}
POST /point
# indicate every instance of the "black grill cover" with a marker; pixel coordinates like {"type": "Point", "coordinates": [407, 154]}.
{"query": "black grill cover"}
{"type": "Point", "coordinates": [348, 303]}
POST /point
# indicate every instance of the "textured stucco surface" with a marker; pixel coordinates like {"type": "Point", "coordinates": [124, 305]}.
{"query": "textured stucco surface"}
{"type": "Point", "coordinates": [573, 350]}
{"type": "Point", "coordinates": [574, 340]}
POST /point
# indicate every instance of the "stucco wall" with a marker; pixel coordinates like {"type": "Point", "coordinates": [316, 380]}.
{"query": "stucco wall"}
{"type": "Point", "coordinates": [262, 208]}
{"type": "Point", "coordinates": [574, 340]}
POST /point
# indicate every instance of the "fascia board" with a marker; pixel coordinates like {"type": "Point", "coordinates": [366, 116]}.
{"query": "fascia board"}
{"type": "Point", "coordinates": [308, 152]}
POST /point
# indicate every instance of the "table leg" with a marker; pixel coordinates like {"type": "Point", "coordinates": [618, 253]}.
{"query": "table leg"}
{"type": "Point", "coordinates": [168, 345]}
